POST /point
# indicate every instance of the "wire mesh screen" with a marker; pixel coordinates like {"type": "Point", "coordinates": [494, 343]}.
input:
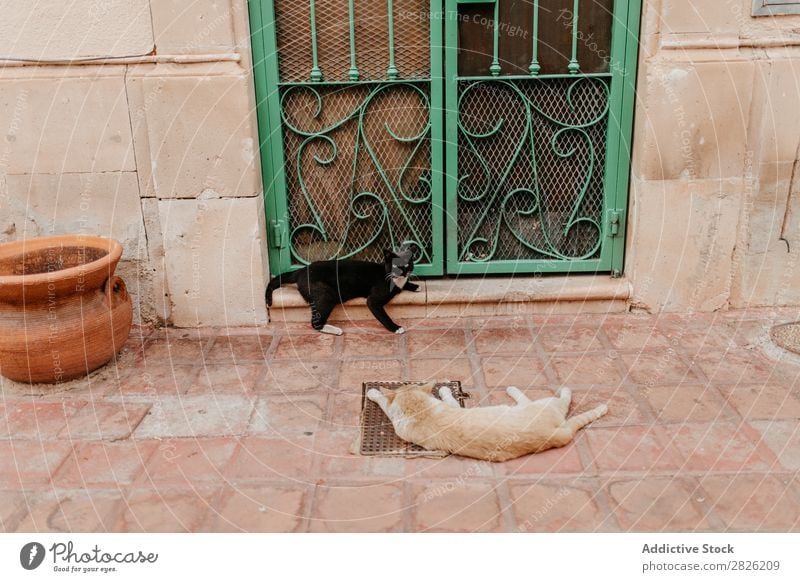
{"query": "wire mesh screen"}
{"type": "Point", "coordinates": [293, 35]}
{"type": "Point", "coordinates": [358, 161]}
{"type": "Point", "coordinates": [330, 33]}
{"type": "Point", "coordinates": [531, 168]}
{"type": "Point", "coordinates": [355, 107]}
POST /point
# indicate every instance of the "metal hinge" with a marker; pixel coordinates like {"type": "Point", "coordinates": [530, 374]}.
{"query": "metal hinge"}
{"type": "Point", "coordinates": [614, 222]}
{"type": "Point", "coordinates": [277, 237]}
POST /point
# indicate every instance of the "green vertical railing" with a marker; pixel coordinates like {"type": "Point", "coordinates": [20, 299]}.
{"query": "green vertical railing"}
{"type": "Point", "coordinates": [535, 66]}
{"type": "Point", "coordinates": [437, 16]}
{"type": "Point", "coordinates": [574, 67]}
{"type": "Point", "coordinates": [392, 71]}
{"type": "Point", "coordinates": [495, 69]}
{"type": "Point", "coordinates": [316, 72]}
{"type": "Point", "coordinates": [353, 72]}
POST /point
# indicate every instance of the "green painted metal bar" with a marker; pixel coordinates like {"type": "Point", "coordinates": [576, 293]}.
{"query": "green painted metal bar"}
{"type": "Point", "coordinates": [451, 132]}
{"type": "Point", "coordinates": [392, 71]}
{"type": "Point", "coordinates": [528, 267]}
{"type": "Point", "coordinates": [535, 66]}
{"type": "Point", "coordinates": [436, 11]}
{"type": "Point", "coordinates": [574, 67]}
{"type": "Point", "coordinates": [630, 15]}
{"type": "Point", "coordinates": [266, 76]}
{"type": "Point", "coordinates": [610, 185]}
{"type": "Point", "coordinates": [495, 68]}
{"type": "Point", "coordinates": [316, 72]}
{"type": "Point", "coordinates": [324, 83]}
{"type": "Point", "coordinates": [352, 74]}
{"type": "Point", "coordinates": [539, 77]}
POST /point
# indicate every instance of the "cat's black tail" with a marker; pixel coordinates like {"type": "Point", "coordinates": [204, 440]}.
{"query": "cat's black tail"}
{"type": "Point", "coordinates": [278, 281]}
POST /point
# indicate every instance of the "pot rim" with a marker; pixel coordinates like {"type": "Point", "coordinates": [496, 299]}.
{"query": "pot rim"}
{"type": "Point", "coordinates": [15, 248]}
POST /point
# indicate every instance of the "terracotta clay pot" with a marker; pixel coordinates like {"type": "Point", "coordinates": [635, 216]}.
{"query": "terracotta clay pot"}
{"type": "Point", "coordinates": [63, 313]}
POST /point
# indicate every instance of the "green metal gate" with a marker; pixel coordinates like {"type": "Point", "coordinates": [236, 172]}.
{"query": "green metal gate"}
{"type": "Point", "coordinates": [533, 116]}
{"type": "Point", "coordinates": [351, 144]}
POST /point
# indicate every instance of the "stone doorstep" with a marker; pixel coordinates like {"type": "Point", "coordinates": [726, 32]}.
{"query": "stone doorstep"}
{"type": "Point", "coordinates": [479, 297]}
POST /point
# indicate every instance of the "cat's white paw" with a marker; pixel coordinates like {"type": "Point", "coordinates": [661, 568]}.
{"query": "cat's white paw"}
{"type": "Point", "coordinates": [374, 394]}
{"type": "Point", "coordinates": [565, 393]}
{"type": "Point", "coordinates": [444, 392]}
{"type": "Point", "coordinates": [400, 330]}
{"type": "Point", "coordinates": [331, 329]}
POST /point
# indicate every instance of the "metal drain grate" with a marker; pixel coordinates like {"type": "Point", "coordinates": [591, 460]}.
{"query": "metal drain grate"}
{"type": "Point", "coordinates": [787, 336]}
{"type": "Point", "coordinates": [377, 433]}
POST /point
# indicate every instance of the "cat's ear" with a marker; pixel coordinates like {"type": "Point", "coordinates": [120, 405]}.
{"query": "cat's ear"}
{"type": "Point", "coordinates": [388, 255]}
{"type": "Point", "coordinates": [405, 252]}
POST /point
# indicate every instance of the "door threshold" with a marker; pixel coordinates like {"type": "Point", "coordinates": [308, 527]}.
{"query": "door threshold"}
{"type": "Point", "coordinates": [480, 297]}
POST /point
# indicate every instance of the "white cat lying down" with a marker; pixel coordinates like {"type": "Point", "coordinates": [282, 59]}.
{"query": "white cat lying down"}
{"type": "Point", "coordinates": [492, 433]}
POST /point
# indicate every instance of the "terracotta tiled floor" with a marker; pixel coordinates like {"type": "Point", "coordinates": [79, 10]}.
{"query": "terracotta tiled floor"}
{"type": "Point", "coordinates": [250, 430]}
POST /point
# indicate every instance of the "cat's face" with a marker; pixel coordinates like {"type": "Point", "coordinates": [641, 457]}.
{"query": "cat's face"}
{"type": "Point", "coordinates": [399, 265]}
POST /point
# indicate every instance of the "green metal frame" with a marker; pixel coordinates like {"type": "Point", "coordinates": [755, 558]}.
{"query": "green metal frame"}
{"type": "Point", "coordinates": [444, 139]}
{"type": "Point", "coordinates": [622, 75]}
{"type": "Point", "coordinates": [271, 126]}
{"type": "Point", "coordinates": [265, 74]}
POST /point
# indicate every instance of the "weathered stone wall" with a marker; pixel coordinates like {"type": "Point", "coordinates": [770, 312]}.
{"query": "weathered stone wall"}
{"type": "Point", "coordinates": [714, 214]}
{"type": "Point", "coordinates": [151, 139]}
{"type": "Point", "coordinates": [154, 142]}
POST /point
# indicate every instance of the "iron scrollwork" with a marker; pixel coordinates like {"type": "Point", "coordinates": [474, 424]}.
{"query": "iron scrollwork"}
{"type": "Point", "coordinates": [494, 192]}
{"type": "Point", "coordinates": [396, 194]}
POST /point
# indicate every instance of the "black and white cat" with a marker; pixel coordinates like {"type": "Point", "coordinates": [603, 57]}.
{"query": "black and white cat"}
{"type": "Point", "coordinates": [326, 284]}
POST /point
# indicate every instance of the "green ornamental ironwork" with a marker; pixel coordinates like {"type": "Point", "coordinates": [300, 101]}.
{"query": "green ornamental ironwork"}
{"type": "Point", "coordinates": [494, 184]}
{"type": "Point", "coordinates": [497, 143]}
{"type": "Point", "coordinates": [397, 194]}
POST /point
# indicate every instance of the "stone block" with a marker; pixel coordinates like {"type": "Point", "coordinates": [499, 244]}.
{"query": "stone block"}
{"type": "Point", "coordinates": [214, 259]}
{"type": "Point", "coordinates": [199, 27]}
{"type": "Point", "coordinates": [52, 29]}
{"type": "Point", "coordinates": [196, 137]}
{"type": "Point", "coordinates": [779, 127]}
{"type": "Point", "coordinates": [694, 120]}
{"type": "Point", "coordinates": [105, 204]}
{"type": "Point", "coordinates": [770, 277]}
{"type": "Point", "coordinates": [681, 241]}
{"type": "Point", "coordinates": [767, 267]}
{"type": "Point", "coordinates": [65, 125]}
{"type": "Point", "coordinates": [679, 16]}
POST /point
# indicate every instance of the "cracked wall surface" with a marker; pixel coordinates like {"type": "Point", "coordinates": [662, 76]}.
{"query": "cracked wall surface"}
{"type": "Point", "coordinates": [714, 209]}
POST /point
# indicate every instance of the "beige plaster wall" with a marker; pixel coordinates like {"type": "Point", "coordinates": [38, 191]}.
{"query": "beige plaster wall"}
{"type": "Point", "coordinates": [55, 29]}
{"type": "Point", "coordinates": [135, 119]}
{"type": "Point", "coordinates": [715, 217]}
